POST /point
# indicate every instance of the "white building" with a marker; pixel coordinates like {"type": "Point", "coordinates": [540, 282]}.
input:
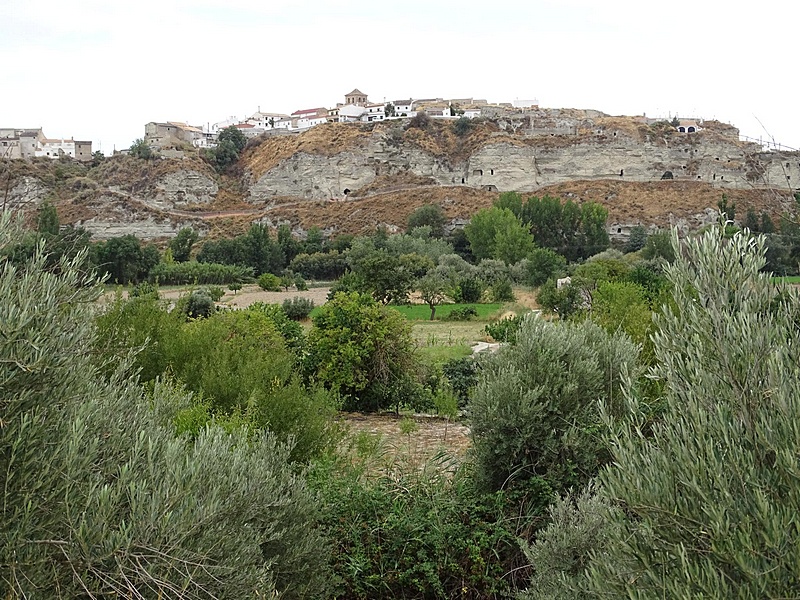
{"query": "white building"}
{"type": "Point", "coordinates": [267, 120]}
{"type": "Point", "coordinates": [350, 113]}
{"type": "Point", "coordinates": [375, 112]}
{"type": "Point", "coordinates": [309, 117]}
{"type": "Point", "coordinates": [533, 103]}
{"type": "Point", "coordinates": [403, 108]}
{"type": "Point", "coordinates": [56, 148]}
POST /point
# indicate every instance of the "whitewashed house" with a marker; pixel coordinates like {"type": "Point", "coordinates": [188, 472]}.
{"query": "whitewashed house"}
{"type": "Point", "coordinates": [350, 113]}
{"type": "Point", "coordinates": [310, 117]}
{"type": "Point", "coordinates": [403, 108]}
{"type": "Point", "coordinates": [267, 120]}
{"type": "Point", "coordinates": [374, 112]}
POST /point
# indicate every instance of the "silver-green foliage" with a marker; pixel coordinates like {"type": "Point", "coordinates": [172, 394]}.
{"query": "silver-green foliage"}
{"type": "Point", "coordinates": [578, 527]}
{"type": "Point", "coordinates": [536, 410]}
{"type": "Point", "coordinates": [100, 498]}
{"type": "Point", "coordinates": [709, 494]}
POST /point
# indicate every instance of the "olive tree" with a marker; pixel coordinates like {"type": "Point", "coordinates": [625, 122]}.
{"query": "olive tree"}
{"type": "Point", "coordinates": [707, 495]}
{"type": "Point", "coordinates": [101, 497]}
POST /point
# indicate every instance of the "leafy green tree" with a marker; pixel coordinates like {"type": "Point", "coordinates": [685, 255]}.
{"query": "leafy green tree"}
{"type": "Point", "coordinates": [124, 259]}
{"type": "Point", "coordinates": [710, 489]}
{"type": "Point", "coordinates": [513, 202]}
{"type": "Point", "coordinates": [593, 235]}
{"type": "Point", "coordinates": [181, 244]}
{"type": "Point", "coordinates": [767, 226]}
{"type": "Point", "coordinates": [288, 245]}
{"type": "Point", "coordinates": [623, 306]}
{"type": "Point", "coordinates": [433, 290]}
{"type": "Point", "coordinates": [48, 222]}
{"type": "Point", "coordinates": [363, 351]}
{"type": "Point", "coordinates": [544, 264]}
{"type": "Point", "coordinates": [97, 158]}
{"type": "Point", "coordinates": [315, 241]}
{"type": "Point", "coordinates": [234, 136]}
{"type": "Point", "coordinates": [140, 149]}
{"type": "Point", "coordinates": [489, 226]}
{"type": "Point", "coordinates": [223, 155]}
{"type": "Point", "coordinates": [751, 220]}
{"type": "Point", "coordinates": [264, 254]}
{"type": "Point", "coordinates": [659, 246]}
{"type": "Point", "coordinates": [319, 265]}
{"type": "Point", "coordinates": [269, 282]}
{"type": "Point", "coordinates": [535, 414]}
{"type": "Point", "coordinates": [636, 239]}
{"type": "Point", "coordinates": [101, 498]}
{"type": "Point", "coordinates": [430, 215]}
{"type": "Point", "coordinates": [462, 126]}
{"type": "Point", "coordinates": [386, 276]}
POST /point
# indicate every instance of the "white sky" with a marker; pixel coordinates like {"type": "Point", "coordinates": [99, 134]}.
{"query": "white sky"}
{"type": "Point", "coordinates": [101, 69]}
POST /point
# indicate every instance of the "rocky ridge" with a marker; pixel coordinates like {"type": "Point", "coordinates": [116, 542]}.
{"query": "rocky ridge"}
{"type": "Point", "coordinates": [353, 177]}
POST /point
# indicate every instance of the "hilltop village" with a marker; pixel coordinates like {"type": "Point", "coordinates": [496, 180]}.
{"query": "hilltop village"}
{"type": "Point", "coordinates": [169, 136]}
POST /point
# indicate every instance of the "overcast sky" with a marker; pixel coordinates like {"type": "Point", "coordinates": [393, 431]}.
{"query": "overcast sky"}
{"type": "Point", "coordinates": [101, 69]}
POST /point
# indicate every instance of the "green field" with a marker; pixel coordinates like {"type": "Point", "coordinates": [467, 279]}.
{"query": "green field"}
{"type": "Point", "coordinates": [421, 312]}
{"type": "Point", "coordinates": [793, 279]}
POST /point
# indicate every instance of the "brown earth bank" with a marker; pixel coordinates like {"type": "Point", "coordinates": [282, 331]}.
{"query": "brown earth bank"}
{"type": "Point", "coordinates": [352, 178]}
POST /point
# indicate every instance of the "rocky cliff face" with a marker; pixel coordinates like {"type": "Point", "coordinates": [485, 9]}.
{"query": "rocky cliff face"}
{"type": "Point", "coordinates": [530, 162]}
{"type": "Point", "coordinates": [379, 172]}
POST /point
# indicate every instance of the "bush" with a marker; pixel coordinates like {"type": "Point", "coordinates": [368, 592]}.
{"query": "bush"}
{"type": "Point", "coordinates": [710, 494]}
{"type": "Point", "coordinates": [198, 304]}
{"type": "Point", "coordinates": [298, 308]}
{"type": "Point", "coordinates": [462, 373]}
{"type": "Point", "coordinates": [505, 330]}
{"type": "Point", "coordinates": [502, 291]}
{"type": "Point", "coordinates": [144, 289]}
{"type": "Point", "coordinates": [470, 289]}
{"type": "Point", "coordinates": [536, 411]}
{"type": "Point", "coordinates": [300, 283]}
{"type": "Point", "coordinates": [544, 264]}
{"type": "Point", "coordinates": [215, 292]}
{"type": "Point", "coordinates": [319, 265]}
{"type": "Point", "coordinates": [363, 351]}
{"type": "Point", "coordinates": [421, 120]}
{"type": "Point", "coordinates": [416, 534]}
{"type": "Point", "coordinates": [269, 282]}
{"type": "Point", "coordinates": [105, 499]}
{"type": "Point", "coordinates": [462, 126]}
{"type": "Point", "coordinates": [462, 313]}
{"type": "Point", "coordinates": [199, 273]}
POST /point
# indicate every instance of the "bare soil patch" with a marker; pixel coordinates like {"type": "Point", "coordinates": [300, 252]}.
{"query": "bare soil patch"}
{"type": "Point", "coordinates": [431, 439]}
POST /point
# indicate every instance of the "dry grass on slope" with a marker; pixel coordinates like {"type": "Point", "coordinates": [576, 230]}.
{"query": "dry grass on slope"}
{"type": "Point", "coordinates": [364, 216]}
{"type": "Point", "coordinates": [659, 202]}
{"type": "Point", "coordinates": [267, 151]}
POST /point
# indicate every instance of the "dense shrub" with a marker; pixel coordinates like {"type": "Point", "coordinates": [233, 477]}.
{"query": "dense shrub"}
{"type": "Point", "coordinates": [298, 308]}
{"type": "Point", "coordinates": [198, 273]}
{"type": "Point", "coordinates": [363, 351]}
{"type": "Point", "coordinates": [505, 330]}
{"type": "Point", "coordinates": [469, 289]}
{"type": "Point", "coordinates": [462, 313]}
{"type": "Point", "coordinates": [197, 304]}
{"type": "Point", "coordinates": [544, 264]}
{"type": "Point", "coordinates": [269, 282]}
{"type": "Point", "coordinates": [502, 292]}
{"type": "Point", "coordinates": [536, 411]}
{"type": "Point", "coordinates": [417, 535]}
{"type": "Point", "coordinates": [710, 489]}
{"type": "Point", "coordinates": [462, 374]}
{"type": "Point", "coordinates": [319, 265]}
{"type": "Point", "coordinates": [101, 498]}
